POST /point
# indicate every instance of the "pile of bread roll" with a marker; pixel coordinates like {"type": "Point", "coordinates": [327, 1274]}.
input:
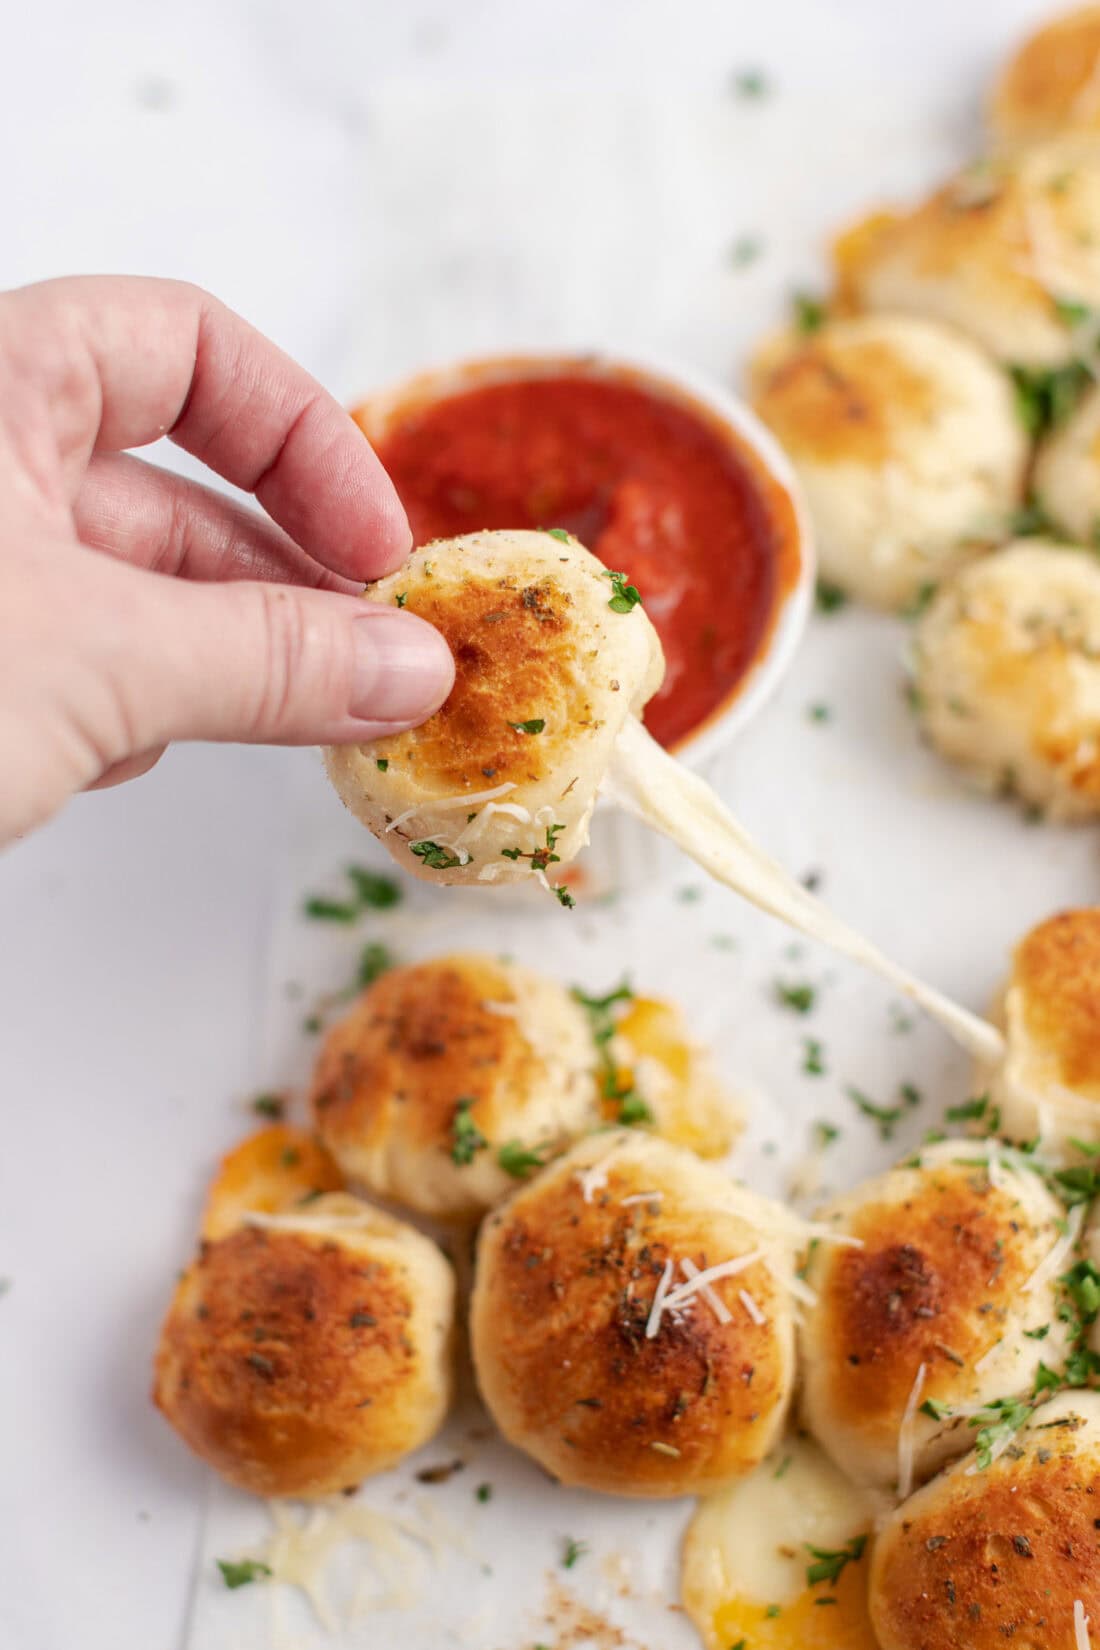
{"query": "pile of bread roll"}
{"type": "Point", "coordinates": [945, 403]}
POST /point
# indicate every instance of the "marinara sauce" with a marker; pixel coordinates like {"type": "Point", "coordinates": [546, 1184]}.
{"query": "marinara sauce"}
{"type": "Point", "coordinates": [656, 487]}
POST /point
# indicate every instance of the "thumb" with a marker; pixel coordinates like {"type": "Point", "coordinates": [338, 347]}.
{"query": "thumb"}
{"type": "Point", "coordinates": [275, 664]}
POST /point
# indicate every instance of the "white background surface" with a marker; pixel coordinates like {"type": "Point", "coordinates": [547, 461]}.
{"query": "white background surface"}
{"type": "Point", "coordinates": [379, 185]}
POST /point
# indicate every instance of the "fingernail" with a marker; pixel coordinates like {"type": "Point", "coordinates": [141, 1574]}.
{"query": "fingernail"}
{"type": "Point", "coordinates": [403, 668]}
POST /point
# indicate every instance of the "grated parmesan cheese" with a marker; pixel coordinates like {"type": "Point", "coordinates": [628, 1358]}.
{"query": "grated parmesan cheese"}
{"type": "Point", "coordinates": [1054, 1261]}
{"type": "Point", "coordinates": [642, 1197]}
{"type": "Point", "coordinates": [715, 1302]}
{"type": "Point", "coordinates": [751, 1307]}
{"type": "Point", "coordinates": [471, 799]}
{"type": "Point", "coordinates": [700, 1281]}
{"type": "Point", "coordinates": [1081, 1626]}
{"type": "Point", "coordinates": [507, 1011]}
{"type": "Point", "coordinates": [653, 1323]}
{"type": "Point", "coordinates": [905, 1436]}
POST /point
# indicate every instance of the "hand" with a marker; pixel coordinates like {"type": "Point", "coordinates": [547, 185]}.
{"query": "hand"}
{"type": "Point", "coordinates": [136, 607]}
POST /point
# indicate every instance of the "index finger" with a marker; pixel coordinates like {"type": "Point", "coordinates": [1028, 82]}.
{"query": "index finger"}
{"type": "Point", "coordinates": [165, 358]}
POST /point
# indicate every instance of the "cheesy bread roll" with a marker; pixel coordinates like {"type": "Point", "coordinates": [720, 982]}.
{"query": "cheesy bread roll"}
{"type": "Point", "coordinates": [553, 653]}
{"type": "Point", "coordinates": [631, 1321]}
{"type": "Point", "coordinates": [1048, 1085]}
{"type": "Point", "coordinates": [1051, 84]}
{"type": "Point", "coordinates": [1008, 251]}
{"type": "Point", "coordinates": [303, 1352]}
{"type": "Point", "coordinates": [1006, 1552]}
{"type": "Point", "coordinates": [1007, 675]}
{"type": "Point", "coordinates": [452, 1079]}
{"type": "Point", "coordinates": [905, 437]}
{"type": "Point", "coordinates": [928, 1316]}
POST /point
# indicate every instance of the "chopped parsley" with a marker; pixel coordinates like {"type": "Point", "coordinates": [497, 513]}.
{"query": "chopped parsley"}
{"type": "Point", "coordinates": [829, 597]}
{"type": "Point", "coordinates": [331, 910]}
{"type": "Point", "coordinates": [381, 763]}
{"type": "Point", "coordinates": [810, 315]}
{"type": "Point", "coordinates": [466, 1138]}
{"type": "Point", "coordinates": [996, 1423]}
{"type": "Point", "coordinates": [745, 250]}
{"type": "Point", "coordinates": [269, 1105]}
{"type": "Point", "coordinates": [799, 999]}
{"type": "Point", "coordinates": [484, 1492]}
{"type": "Point", "coordinates": [535, 725]}
{"type": "Point", "coordinates": [751, 85]}
{"type": "Point", "coordinates": [626, 596]}
{"type": "Point", "coordinates": [813, 1057]}
{"type": "Point", "coordinates": [434, 857]}
{"type": "Point", "coordinates": [401, 598]}
{"type": "Point", "coordinates": [1031, 520]}
{"type": "Point", "coordinates": [563, 896]}
{"type": "Point", "coordinates": [375, 961]}
{"type": "Point", "coordinates": [971, 1111]}
{"type": "Point", "coordinates": [911, 1094]}
{"type": "Point", "coordinates": [240, 1573]}
{"type": "Point", "coordinates": [819, 713]}
{"type": "Point", "coordinates": [375, 892]}
{"type": "Point", "coordinates": [829, 1563]}
{"type": "Point", "coordinates": [781, 1469]}
{"type": "Point", "coordinates": [920, 602]}
{"type": "Point", "coordinates": [519, 1160]}
{"type": "Point", "coordinates": [558, 533]}
{"type": "Point", "coordinates": [935, 1409]}
{"type": "Point", "coordinates": [1046, 1380]}
{"type": "Point", "coordinates": [290, 1158]}
{"type": "Point", "coordinates": [826, 1133]}
{"type": "Point", "coordinates": [772, 1611]}
{"type": "Point", "coordinates": [1045, 397]}
{"type": "Point", "coordinates": [1039, 1334]}
{"type": "Point", "coordinates": [573, 1551]}
{"type": "Point", "coordinates": [1079, 1184]}
{"type": "Point", "coordinates": [631, 1107]}
{"type": "Point", "coordinates": [887, 1117]}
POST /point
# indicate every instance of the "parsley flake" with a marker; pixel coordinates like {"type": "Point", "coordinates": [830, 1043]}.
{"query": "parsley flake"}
{"type": "Point", "coordinates": [240, 1573]}
{"type": "Point", "coordinates": [466, 1138]}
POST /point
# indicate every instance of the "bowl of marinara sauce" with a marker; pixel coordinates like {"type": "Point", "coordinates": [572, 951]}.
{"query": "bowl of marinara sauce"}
{"type": "Point", "coordinates": [665, 477]}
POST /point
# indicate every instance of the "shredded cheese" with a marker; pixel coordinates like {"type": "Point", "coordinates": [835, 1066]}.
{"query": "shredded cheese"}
{"type": "Point", "coordinates": [303, 1220]}
{"type": "Point", "coordinates": [658, 790]}
{"type": "Point", "coordinates": [751, 1307]}
{"type": "Point", "coordinates": [715, 1302]}
{"type": "Point", "coordinates": [1054, 1261]}
{"type": "Point", "coordinates": [507, 1011]}
{"type": "Point", "coordinates": [699, 1281]}
{"type": "Point", "coordinates": [653, 1323]}
{"type": "Point", "coordinates": [642, 1197]}
{"type": "Point", "coordinates": [802, 1291]}
{"type": "Point", "coordinates": [1081, 1626]}
{"type": "Point", "coordinates": [905, 1436]}
{"type": "Point", "coordinates": [431, 803]}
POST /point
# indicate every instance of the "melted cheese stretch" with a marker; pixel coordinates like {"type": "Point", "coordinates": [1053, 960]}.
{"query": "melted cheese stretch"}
{"type": "Point", "coordinates": [651, 785]}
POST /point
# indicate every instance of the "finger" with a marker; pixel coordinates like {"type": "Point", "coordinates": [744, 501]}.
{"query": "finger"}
{"type": "Point", "coordinates": [132, 767]}
{"type": "Point", "coordinates": [151, 518]}
{"type": "Point", "coordinates": [127, 360]}
{"type": "Point", "coordinates": [262, 663]}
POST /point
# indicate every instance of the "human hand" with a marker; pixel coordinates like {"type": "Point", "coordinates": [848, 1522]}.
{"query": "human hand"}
{"type": "Point", "coordinates": [137, 607]}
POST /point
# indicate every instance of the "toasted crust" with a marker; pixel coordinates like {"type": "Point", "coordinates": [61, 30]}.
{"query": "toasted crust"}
{"type": "Point", "coordinates": [993, 251]}
{"type": "Point", "coordinates": [937, 1282]}
{"type": "Point", "coordinates": [507, 1047]}
{"type": "Point", "coordinates": [1056, 970]}
{"type": "Point", "coordinates": [564, 1291]}
{"type": "Point", "coordinates": [535, 642]}
{"type": "Point", "coordinates": [907, 443]}
{"type": "Point", "coordinates": [266, 1173]}
{"type": "Point", "coordinates": [985, 1558]}
{"type": "Point", "coordinates": [1051, 83]}
{"type": "Point", "coordinates": [1007, 662]}
{"type": "Point", "coordinates": [298, 1360]}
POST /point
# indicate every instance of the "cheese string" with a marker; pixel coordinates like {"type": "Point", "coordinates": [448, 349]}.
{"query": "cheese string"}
{"type": "Point", "coordinates": [648, 783]}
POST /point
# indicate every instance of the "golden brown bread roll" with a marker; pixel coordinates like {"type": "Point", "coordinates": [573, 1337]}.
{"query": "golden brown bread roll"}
{"type": "Point", "coordinates": [1006, 1554]}
{"type": "Point", "coordinates": [442, 1067]}
{"type": "Point", "coordinates": [303, 1352]}
{"type": "Point", "coordinates": [906, 440]}
{"type": "Point", "coordinates": [931, 1309]}
{"type": "Point", "coordinates": [504, 776]}
{"type": "Point", "coordinates": [600, 1351]}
